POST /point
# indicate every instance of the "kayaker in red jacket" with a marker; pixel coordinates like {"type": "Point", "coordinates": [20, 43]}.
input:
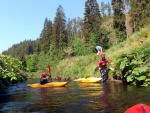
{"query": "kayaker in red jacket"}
{"type": "Point", "coordinates": [43, 79]}
{"type": "Point", "coordinates": [102, 66]}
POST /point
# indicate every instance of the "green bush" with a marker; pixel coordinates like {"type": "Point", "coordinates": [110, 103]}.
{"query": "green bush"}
{"type": "Point", "coordinates": [134, 66]}
{"type": "Point", "coordinates": [11, 70]}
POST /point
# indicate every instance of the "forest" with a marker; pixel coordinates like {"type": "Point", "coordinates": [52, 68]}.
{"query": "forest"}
{"type": "Point", "coordinates": [121, 27]}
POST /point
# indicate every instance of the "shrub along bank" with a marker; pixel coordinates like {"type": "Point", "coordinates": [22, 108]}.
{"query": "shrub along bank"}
{"type": "Point", "coordinates": [11, 71]}
{"type": "Point", "coordinates": [130, 60]}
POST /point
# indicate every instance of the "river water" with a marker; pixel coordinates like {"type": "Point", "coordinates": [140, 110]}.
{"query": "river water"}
{"type": "Point", "coordinates": [74, 98]}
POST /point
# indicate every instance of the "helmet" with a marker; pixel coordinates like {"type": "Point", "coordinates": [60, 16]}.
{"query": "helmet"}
{"type": "Point", "coordinates": [43, 74]}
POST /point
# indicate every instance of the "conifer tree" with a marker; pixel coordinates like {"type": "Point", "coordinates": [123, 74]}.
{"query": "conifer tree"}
{"type": "Point", "coordinates": [60, 40]}
{"type": "Point", "coordinates": [38, 48]}
{"type": "Point", "coordinates": [119, 19]}
{"type": "Point", "coordinates": [140, 13]}
{"type": "Point", "coordinates": [69, 29]}
{"type": "Point", "coordinates": [46, 35]}
{"type": "Point", "coordinates": [92, 19]}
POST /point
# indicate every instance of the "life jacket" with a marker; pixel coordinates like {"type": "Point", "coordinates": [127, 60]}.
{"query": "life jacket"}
{"type": "Point", "coordinates": [103, 64]}
{"type": "Point", "coordinates": [43, 81]}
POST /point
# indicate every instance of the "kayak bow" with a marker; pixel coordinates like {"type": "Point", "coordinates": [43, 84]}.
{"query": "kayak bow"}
{"type": "Point", "coordinates": [138, 108]}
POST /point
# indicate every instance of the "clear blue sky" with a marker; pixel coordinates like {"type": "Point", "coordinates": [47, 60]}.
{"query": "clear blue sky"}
{"type": "Point", "coordinates": [24, 19]}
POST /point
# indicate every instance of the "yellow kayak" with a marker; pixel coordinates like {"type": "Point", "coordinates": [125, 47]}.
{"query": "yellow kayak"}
{"type": "Point", "coordinates": [90, 80]}
{"type": "Point", "coordinates": [51, 84]}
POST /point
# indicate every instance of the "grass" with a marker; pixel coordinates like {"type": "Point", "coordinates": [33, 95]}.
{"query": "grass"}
{"type": "Point", "coordinates": [83, 66]}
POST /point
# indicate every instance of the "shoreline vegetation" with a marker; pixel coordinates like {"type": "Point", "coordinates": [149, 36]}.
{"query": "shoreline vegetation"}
{"type": "Point", "coordinates": [134, 49]}
{"type": "Point", "coordinates": [83, 66]}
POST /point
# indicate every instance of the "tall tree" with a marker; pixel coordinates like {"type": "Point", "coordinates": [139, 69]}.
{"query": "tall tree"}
{"type": "Point", "coordinates": [69, 29]}
{"type": "Point", "coordinates": [79, 27]}
{"type": "Point", "coordinates": [46, 35]}
{"type": "Point", "coordinates": [60, 40]}
{"type": "Point", "coordinates": [127, 18]}
{"type": "Point", "coordinates": [119, 19]}
{"type": "Point", "coordinates": [140, 13]}
{"type": "Point", "coordinates": [92, 19]}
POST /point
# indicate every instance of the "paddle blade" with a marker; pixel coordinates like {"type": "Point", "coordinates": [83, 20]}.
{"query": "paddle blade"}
{"type": "Point", "coordinates": [49, 68]}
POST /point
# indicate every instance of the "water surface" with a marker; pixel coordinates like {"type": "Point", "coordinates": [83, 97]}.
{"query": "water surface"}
{"type": "Point", "coordinates": [74, 98]}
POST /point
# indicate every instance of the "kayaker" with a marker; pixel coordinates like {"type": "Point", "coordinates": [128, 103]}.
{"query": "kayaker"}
{"type": "Point", "coordinates": [102, 66]}
{"type": "Point", "coordinates": [43, 79]}
{"type": "Point", "coordinates": [98, 50]}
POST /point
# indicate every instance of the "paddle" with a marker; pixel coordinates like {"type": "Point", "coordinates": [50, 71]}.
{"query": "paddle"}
{"type": "Point", "coordinates": [49, 70]}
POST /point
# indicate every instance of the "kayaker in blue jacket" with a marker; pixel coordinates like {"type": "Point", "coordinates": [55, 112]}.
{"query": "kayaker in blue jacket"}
{"type": "Point", "coordinates": [98, 50]}
{"type": "Point", "coordinates": [43, 79]}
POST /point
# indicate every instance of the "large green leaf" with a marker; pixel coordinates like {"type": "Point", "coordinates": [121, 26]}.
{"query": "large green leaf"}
{"type": "Point", "coordinates": [123, 63]}
{"type": "Point", "coordinates": [143, 69]}
{"type": "Point", "coordinates": [136, 62]}
{"type": "Point", "coordinates": [140, 78]}
{"type": "Point", "coordinates": [129, 78]}
{"type": "Point", "coordinates": [136, 71]}
{"type": "Point", "coordinates": [140, 70]}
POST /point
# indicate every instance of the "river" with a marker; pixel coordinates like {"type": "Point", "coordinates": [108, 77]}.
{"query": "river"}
{"type": "Point", "coordinates": [74, 98]}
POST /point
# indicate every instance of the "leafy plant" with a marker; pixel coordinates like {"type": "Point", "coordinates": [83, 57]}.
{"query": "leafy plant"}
{"type": "Point", "coordinates": [134, 66]}
{"type": "Point", "coordinates": [11, 70]}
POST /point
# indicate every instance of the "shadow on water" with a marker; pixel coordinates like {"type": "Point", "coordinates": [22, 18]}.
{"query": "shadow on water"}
{"type": "Point", "coordinates": [74, 98]}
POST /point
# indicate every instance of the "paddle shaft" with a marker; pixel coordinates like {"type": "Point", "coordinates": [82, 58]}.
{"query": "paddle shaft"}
{"type": "Point", "coordinates": [49, 70]}
{"type": "Point", "coordinates": [50, 76]}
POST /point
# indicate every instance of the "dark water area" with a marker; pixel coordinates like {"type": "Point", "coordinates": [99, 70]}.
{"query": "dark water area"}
{"type": "Point", "coordinates": [74, 98]}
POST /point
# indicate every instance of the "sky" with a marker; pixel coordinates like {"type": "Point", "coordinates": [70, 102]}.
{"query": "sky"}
{"type": "Point", "coordinates": [24, 19]}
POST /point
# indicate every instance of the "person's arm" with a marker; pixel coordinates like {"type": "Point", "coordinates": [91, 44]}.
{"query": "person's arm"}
{"type": "Point", "coordinates": [99, 52]}
{"type": "Point", "coordinates": [97, 67]}
{"type": "Point", "coordinates": [44, 78]}
{"type": "Point", "coordinates": [99, 64]}
{"type": "Point", "coordinates": [108, 61]}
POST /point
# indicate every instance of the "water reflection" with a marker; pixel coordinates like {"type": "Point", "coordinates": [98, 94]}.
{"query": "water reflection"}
{"type": "Point", "coordinates": [74, 98]}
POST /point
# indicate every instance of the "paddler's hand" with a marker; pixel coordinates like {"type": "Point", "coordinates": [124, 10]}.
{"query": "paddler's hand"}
{"type": "Point", "coordinates": [96, 69]}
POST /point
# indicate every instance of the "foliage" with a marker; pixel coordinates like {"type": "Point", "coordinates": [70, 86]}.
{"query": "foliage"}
{"type": "Point", "coordinates": [43, 61]}
{"type": "Point", "coordinates": [140, 13]}
{"type": "Point", "coordinates": [26, 47]}
{"type": "Point", "coordinates": [31, 62]}
{"type": "Point", "coordinates": [45, 37]}
{"type": "Point", "coordinates": [60, 40]}
{"type": "Point", "coordinates": [11, 70]}
{"type": "Point", "coordinates": [76, 67]}
{"type": "Point", "coordinates": [105, 39]}
{"type": "Point", "coordinates": [92, 43]}
{"type": "Point", "coordinates": [92, 19]}
{"type": "Point", "coordinates": [134, 66]}
{"type": "Point", "coordinates": [78, 47]}
{"type": "Point", "coordinates": [119, 19]}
